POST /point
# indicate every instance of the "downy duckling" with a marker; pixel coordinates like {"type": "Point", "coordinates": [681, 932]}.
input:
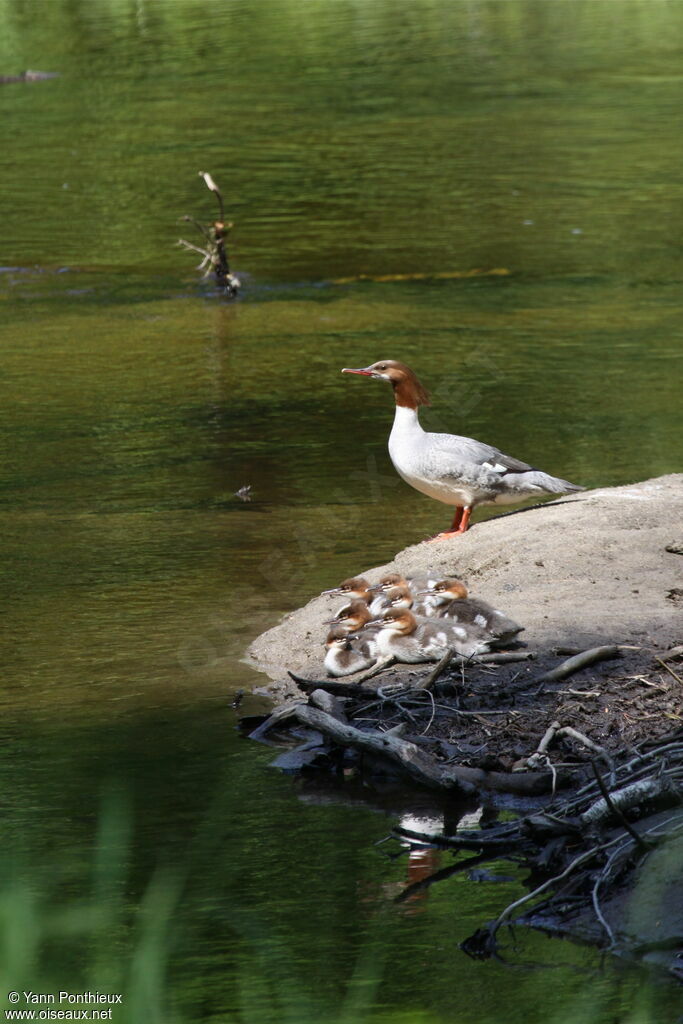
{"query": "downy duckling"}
{"type": "Point", "coordinates": [346, 653]}
{"type": "Point", "coordinates": [407, 638]}
{"type": "Point", "coordinates": [452, 602]}
{"type": "Point", "coordinates": [355, 618]}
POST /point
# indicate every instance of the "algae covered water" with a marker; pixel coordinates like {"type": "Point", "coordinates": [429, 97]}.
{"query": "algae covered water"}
{"type": "Point", "coordinates": [487, 191]}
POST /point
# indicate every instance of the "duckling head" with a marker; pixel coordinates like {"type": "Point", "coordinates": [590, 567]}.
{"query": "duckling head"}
{"type": "Point", "coordinates": [355, 587]}
{"type": "Point", "coordinates": [399, 597]}
{"type": "Point", "coordinates": [392, 579]}
{"type": "Point", "coordinates": [449, 590]}
{"type": "Point", "coordinates": [398, 620]}
{"type": "Point", "coordinates": [354, 615]}
{"type": "Point", "coordinates": [338, 637]}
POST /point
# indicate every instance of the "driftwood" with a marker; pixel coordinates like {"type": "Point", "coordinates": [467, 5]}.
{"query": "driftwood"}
{"type": "Point", "coordinates": [399, 751]}
{"type": "Point", "coordinates": [417, 765]}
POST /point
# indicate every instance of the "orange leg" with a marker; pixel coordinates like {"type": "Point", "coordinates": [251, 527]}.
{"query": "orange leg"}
{"type": "Point", "coordinates": [461, 520]}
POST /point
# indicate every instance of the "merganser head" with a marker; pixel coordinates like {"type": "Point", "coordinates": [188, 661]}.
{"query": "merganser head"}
{"type": "Point", "coordinates": [388, 582]}
{"type": "Point", "coordinates": [338, 637]}
{"type": "Point", "coordinates": [397, 620]}
{"type": "Point", "coordinates": [354, 615]}
{"type": "Point", "coordinates": [448, 590]}
{"type": "Point", "coordinates": [399, 597]}
{"type": "Point", "coordinates": [355, 587]}
{"type": "Point", "coordinates": [407, 389]}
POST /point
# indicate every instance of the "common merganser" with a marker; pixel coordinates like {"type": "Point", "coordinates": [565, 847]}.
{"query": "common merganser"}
{"type": "Point", "coordinates": [407, 638]}
{"type": "Point", "coordinates": [347, 653]}
{"type": "Point", "coordinates": [355, 587]}
{"type": "Point", "coordinates": [452, 602]}
{"type": "Point", "coordinates": [456, 470]}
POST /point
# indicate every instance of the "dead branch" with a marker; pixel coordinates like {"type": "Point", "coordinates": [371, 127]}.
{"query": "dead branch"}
{"type": "Point", "coordinates": [616, 810]}
{"type": "Point", "coordinates": [401, 752]}
{"type": "Point", "coordinates": [579, 661]}
{"type": "Point", "coordinates": [215, 253]}
{"type": "Point", "coordinates": [629, 796]}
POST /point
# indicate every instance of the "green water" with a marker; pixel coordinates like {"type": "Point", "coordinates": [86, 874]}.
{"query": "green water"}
{"type": "Point", "coordinates": [146, 848]}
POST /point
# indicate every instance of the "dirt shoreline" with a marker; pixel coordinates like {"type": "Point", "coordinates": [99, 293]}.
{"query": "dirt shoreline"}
{"type": "Point", "coordinates": [599, 567]}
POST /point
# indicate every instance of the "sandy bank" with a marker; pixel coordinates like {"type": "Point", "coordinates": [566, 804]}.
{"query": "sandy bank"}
{"type": "Point", "coordinates": [602, 566]}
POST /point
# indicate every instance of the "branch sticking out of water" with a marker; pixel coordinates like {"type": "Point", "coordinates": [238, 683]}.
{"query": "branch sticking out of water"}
{"type": "Point", "coordinates": [214, 251]}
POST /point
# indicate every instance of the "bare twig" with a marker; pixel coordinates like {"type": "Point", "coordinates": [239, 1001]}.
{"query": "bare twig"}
{"type": "Point", "coordinates": [670, 670]}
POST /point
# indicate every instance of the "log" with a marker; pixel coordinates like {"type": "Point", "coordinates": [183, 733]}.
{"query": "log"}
{"type": "Point", "coordinates": [629, 796]}
{"type": "Point", "coordinates": [417, 765]}
{"type": "Point", "coordinates": [399, 751]}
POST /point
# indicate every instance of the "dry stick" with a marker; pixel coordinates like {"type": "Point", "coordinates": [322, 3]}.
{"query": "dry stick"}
{"type": "Point", "coordinates": [436, 672]}
{"type": "Point", "coordinates": [503, 657]}
{"type": "Point", "coordinates": [670, 670]}
{"type": "Point", "coordinates": [567, 730]}
{"type": "Point", "coordinates": [333, 686]}
{"type": "Point", "coordinates": [579, 661]}
{"type": "Point", "coordinates": [616, 811]}
{"type": "Point", "coordinates": [379, 667]}
{"type": "Point", "coordinates": [418, 765]}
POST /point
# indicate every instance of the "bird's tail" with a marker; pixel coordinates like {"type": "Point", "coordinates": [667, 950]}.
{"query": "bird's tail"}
{"type": "Point", "coordinates": [551, 484]}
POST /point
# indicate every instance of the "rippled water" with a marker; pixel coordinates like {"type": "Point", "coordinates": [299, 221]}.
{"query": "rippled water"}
{"type": "Point", "coordinates": [372, 156]}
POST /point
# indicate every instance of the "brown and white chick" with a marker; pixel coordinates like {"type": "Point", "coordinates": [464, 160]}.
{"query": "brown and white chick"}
{"type": "Point", "coordinates": [453, 603]}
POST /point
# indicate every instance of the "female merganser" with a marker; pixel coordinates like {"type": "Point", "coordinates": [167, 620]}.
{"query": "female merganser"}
{"type": "Point", "coordinates": [346, 653]}
{"type": "Point", "coordinates": [355, 587]}
{"type": "Point", "coordinates": [456, 470]}
{"type": "Point", "coordinates": [452, 602]}
{"type": "Point", "coordinates": [407, 638]}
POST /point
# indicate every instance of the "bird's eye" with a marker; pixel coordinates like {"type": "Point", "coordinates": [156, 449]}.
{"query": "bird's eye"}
{"type": "Point", "coordinates": [382, 366]}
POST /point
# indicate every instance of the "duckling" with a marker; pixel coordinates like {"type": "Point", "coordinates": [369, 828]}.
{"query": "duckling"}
{"type": "Point", "coordinates": [407, 638]}
{"type": "Point", "coordinates": [346, 653]}
{"type": "Point", "coordinates": [452, 602]}
{"type": "Point", "coordinates": [355, 618]}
